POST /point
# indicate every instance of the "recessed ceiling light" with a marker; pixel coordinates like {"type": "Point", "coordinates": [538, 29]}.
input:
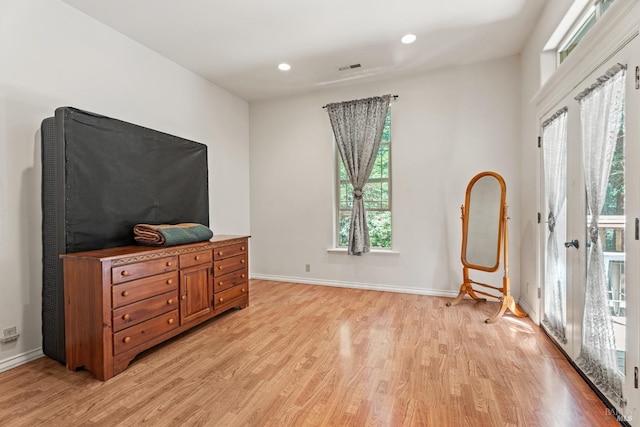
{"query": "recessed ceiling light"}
{"type": "Point", "coordinates": [284, 67]}
{"type": "Point", "coordinates": [408, 38]}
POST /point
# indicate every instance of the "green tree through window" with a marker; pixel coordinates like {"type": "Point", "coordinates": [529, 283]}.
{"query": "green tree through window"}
{"type": "Point", "coordinates": [376, 196]}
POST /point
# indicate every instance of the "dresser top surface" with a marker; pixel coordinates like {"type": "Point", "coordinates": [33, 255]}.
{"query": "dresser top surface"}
{"type": "Point", "coordinates": [126, 251]}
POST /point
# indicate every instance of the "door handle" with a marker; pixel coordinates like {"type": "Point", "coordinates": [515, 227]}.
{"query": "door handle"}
{"type": "Point", "coordinates": [572, 244]}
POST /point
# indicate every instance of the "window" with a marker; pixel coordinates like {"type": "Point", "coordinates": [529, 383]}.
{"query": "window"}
{"type": "Point", "coordinates": [582, 25]}
{"type": "Point", "coordinates": [583, 28]}
{"type": "Point", "coordinates": [376, 196]}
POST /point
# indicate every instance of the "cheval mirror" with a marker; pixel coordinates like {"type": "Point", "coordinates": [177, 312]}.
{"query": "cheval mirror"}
{"type": "Point", "coordinates": [485, 241]}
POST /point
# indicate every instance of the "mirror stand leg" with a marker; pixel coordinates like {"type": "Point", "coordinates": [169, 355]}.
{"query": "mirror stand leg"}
{"type": "Point", "coordinates": [465, 289]}
{"type": "Point", "coordinates": [461, 294]}
{"type": "Point", "coordinates": [507, 303]}
{"type": "Point", "coordinates": [515, 309]}
{"type": "Point", "coordinates": [503, 307]}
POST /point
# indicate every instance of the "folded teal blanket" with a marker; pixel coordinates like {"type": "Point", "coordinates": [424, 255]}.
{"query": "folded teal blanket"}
{"type": "Point", "coordinates": [171, 234]}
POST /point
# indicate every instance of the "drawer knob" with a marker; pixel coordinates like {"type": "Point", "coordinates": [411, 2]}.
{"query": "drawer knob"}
{"type": "Point", "coordinates": [197, 257]}
{"type": "Point", "coordinates": [220, 268]}
{"type": "Point", "coordinates": [242, 248]}
{"type": "Point", "coordinates": [243, 275]}
{"type": "Point", "coordinates": [220, 283]}
{"type": "Point", "coordinates": [170, 321]}
{"type": "Point", "coordinates": [126, 340]}
{"type": "Point", "coordinates": [125, 293]}
{"type": "Point", "coordinates": [243, 290]}
{"type": "Point", "coordinates": [126, 317]}
{"type": "Point", "coordinates": [169, 264]}
{"type": "Point", "coordinates": [124, 273]}
{"type": "Point", "coordinates": [170, 281]}
{"type": "Point", "coordinates": [220, 253]}
{"type": "Point", "coordinates": [221, 299]}
{"type": "Point", "coordinates": [170, 301]}
{"type": "Point", "coordinates": [242, 261]}
{"type": "Point", "coordinates": [184, 297]}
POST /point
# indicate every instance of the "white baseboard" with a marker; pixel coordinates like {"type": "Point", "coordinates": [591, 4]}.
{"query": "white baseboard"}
{"type": "Point", "coordinates": [20, 359]}
{"type": "Point", "coordinates": [533, 315]}
{"type": "Point", "coordinates": [356, 285]}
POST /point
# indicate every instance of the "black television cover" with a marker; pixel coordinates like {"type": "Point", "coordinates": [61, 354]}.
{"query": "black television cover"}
{"type": "Point", "coordinates": [100, 177]}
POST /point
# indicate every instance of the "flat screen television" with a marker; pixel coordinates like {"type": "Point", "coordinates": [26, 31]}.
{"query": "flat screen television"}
{"type": "Point", "coordinates": [100, 177]}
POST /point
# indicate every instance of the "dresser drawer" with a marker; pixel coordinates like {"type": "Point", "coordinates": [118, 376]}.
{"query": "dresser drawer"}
{"type": "Point", "coordinates": [139, 334]}
{"type": "Point", "coordinates": [138, 290]}
{"type": "Point", "coordinates": [140, 311]}
{"type": "Point", "coordinates": [195, 258]}
{"type": "Point", "coordinates": [228, 296]}
{"type": "Point", "coordinates": [229, 251]}
{"type": "Point", "coordinates": [126, 273]}
{"type": "Point", "coordinates": [226, 281]}
{"type": "Point", "coordinates": [228, 265]}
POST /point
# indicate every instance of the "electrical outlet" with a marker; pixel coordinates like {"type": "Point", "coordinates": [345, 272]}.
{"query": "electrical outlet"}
{"type": "Point", "coordinates": [307, 268]}
{"type": "Point", "coordinates": [9, 334]}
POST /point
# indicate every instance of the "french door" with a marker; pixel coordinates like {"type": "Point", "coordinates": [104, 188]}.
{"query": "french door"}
{"type": "Point", "coordinates": [590, 287]}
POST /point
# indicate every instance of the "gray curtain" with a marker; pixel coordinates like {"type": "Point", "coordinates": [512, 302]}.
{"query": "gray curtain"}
{"type": "Point", "coordinates": [357, 127]}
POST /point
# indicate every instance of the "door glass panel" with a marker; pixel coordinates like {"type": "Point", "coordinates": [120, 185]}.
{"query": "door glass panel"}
{"type": "Point", "coordinates": [612, 225]}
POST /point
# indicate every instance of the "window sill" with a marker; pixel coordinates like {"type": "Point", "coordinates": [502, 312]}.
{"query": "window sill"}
{"type": "Point", "coordinates": [373, 251]}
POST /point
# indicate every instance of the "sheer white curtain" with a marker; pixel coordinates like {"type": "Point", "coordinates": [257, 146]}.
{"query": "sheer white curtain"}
{"type": "Point", "coordinates": [554, 145]}
{"type": "Point", "coordinates": [601, 111]}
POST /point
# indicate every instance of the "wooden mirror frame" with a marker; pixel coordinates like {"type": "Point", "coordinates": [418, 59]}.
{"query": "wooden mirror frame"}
{"type": "Point", "coordinates": [467, 287]}
{"type": "Point", "coordinates": [499, 220]}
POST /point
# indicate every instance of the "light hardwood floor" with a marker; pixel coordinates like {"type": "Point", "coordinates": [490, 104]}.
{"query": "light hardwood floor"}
{"type": "Point", "coordinates": [303, 355]}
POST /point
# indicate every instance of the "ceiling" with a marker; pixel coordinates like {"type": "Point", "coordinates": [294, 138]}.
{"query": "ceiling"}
{"type": "Point", "coordinates": [238, 44]}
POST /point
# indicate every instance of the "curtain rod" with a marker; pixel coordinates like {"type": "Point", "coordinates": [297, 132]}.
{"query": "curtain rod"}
{"type": "Point", "coordinates": [555, 116]}
{"type": "Point", "coordinates": [601, 80]}
{"type": "Point", "coordinates": [395, 98]}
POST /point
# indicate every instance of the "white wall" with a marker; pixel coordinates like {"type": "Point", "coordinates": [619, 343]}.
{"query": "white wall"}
{"type": "Point", "coordinates": [447, 126]}
{"type": "Point", "coordinates": [531, 66]}
{"type": "Point", "coordinates": [52, 56]}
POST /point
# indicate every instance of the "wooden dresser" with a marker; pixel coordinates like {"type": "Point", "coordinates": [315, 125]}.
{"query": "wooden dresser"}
{"type": "Point", "coordinates": [121, 301]}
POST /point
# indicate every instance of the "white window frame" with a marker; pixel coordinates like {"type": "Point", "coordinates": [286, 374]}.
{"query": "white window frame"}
{"type": "Point", "coordinates": [590, 9]}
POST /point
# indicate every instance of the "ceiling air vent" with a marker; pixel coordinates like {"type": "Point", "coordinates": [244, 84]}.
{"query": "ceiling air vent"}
{"type": "Point", "coordinates": [349, 67]}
